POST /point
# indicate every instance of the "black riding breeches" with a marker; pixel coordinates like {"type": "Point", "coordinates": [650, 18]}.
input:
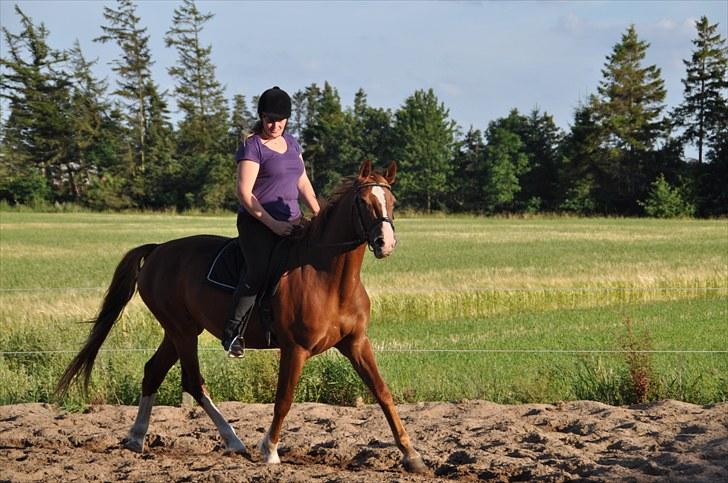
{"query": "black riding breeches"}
{"type": "Point", "coordinates": [256, 242]}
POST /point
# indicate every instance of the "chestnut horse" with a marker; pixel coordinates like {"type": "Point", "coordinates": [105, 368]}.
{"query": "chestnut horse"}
{"type": "Point", "coordinates": [320, 303]}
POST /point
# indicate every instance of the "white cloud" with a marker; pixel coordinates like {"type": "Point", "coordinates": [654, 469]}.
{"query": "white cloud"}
{"type": "Point", "coordinates": [571, 24]}
{"type": "Point", "coordinates": [450, 89]}
{"type": "Point", "coordinates": [667, 24]}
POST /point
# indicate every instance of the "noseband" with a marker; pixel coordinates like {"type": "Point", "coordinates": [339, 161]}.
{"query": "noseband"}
{"type": "Point", "coordinates": [366, 230]}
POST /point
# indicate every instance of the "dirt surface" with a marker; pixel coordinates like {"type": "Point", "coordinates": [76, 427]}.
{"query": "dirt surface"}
{"type": "Point", "coordinates": [471, 440]}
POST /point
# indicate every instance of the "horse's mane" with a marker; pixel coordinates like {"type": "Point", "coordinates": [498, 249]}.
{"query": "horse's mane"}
{"type": "Point", "coordinates": [314, 229]}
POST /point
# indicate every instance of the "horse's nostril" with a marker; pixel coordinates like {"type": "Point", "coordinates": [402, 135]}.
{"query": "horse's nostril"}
{"type": "Point", "coordinates": [379, 242]}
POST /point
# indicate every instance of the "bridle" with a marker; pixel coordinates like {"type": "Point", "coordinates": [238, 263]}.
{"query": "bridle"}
{"type": "Point", "coordinates": [365, 231]}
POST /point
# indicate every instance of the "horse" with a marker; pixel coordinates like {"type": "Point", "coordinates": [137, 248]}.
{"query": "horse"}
{"type": "Point", "coordinates": [320, 303]}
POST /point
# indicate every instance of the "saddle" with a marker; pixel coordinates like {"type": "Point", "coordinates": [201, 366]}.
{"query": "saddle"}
{"type": "Point", "coordinates": [228, 267]}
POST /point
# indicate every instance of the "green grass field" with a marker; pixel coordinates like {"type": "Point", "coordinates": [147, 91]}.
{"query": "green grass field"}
{"type": "Point", "coordinates": [509, 310]}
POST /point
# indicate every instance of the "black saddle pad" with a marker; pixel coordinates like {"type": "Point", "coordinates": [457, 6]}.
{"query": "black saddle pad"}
{"type": "Point", "coordinates": [229, 264]}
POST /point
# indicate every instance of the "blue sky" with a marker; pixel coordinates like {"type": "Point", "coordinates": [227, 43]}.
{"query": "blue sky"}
{"type": "Point", "coordinates": [481, 58]}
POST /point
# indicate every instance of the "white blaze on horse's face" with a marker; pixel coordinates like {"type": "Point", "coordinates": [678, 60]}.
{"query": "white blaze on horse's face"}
{"type": "Point", "coordinates": [386, 248]}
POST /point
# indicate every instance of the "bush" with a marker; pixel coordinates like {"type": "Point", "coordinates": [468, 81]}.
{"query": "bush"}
{"type": "Point", "coordinates": [665, 201]}
{"type": "Point", "coordinates": [29, 188]}
{"type": "Point", "coordinates": [106, 193]}
{"type": "Point", "coordinates": [579, 198]}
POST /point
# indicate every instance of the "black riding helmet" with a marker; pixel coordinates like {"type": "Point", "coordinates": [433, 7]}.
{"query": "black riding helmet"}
{"type": "Point", "coordinates": [274, 104]}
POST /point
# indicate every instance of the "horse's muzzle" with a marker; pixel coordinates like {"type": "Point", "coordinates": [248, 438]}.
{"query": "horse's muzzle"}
{"type": "Point", "coordinates": [384, 244]}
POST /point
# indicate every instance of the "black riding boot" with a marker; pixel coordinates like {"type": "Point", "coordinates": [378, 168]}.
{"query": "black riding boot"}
{"type": "Point", "coordinates": [232, 335]}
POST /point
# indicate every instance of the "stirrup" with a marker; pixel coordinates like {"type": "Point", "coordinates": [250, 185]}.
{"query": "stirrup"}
{"type": "Point", "coordinates": [236, 349]}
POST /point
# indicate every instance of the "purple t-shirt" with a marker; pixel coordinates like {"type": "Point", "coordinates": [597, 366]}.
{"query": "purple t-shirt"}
{"type": "Point", "coordinates": [277, 184]}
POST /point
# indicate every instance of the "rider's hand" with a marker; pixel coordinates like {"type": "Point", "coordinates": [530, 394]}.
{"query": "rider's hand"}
{"type": "Point", "coordinates": [281, 228]}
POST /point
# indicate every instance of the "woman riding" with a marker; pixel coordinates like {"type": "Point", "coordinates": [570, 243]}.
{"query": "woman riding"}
{"type": "Point", "coordinates": [271, 178]}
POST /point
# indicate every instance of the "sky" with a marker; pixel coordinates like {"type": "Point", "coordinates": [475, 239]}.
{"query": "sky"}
{"type": "Point", "coordinates": [481, 58]}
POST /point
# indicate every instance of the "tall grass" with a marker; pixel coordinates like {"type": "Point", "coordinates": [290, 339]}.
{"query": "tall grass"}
{"type": "Point", "coordinates": [453, 284]}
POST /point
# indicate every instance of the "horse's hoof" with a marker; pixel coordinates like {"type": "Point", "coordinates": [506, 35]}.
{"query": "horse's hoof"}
{"type": "Point", "coordinates": [269, 451]}
{"type": "Point", "coordinates": [237, 448]}
{"type": "Point", "coordinates": [134, 445]}
{"type": "Point", "coordinates": [414, 464]}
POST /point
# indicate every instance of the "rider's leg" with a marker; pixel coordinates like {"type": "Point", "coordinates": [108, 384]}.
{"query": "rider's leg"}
{"type": "Point", "coordinates": [256, 242]}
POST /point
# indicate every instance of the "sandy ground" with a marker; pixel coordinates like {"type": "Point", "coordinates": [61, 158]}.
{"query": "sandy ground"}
{"type": "Point", "coordinates": [471, 440]}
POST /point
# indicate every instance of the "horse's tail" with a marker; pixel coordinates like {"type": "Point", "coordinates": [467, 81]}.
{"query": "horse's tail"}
{"type": "Point", "coordinates": [120, 291]}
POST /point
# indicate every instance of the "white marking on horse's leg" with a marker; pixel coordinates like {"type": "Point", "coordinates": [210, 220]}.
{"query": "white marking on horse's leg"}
{"type": "Point", "coordinates": [231, 440]}
{"type": "Point", "coordinates": [135, 439]}
{"type": "Point", "coordinates": [387, 230]}
{"type": "Point", "coordinates": [269, 450]}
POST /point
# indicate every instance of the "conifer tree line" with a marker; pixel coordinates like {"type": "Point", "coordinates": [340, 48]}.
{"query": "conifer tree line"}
{"type": "Point", "coordinates": [70, 137]}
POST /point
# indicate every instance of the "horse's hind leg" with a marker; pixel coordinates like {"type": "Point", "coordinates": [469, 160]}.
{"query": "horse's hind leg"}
{"type": "Point", "coordinates": [194, 385]}
{"type": "Point", "coordinates": [155, 370]}
{"type": "Point", "coordinates": [359, 352]}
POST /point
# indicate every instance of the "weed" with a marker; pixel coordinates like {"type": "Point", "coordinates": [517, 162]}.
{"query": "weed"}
{"type": "Point", "coordinates": [637, 347]}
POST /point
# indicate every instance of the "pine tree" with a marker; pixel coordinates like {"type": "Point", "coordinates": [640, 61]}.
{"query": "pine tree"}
{"type": "Point", "coordinates": [468, 174]}
{"type": "Point", "coordinates": [665, 201]}
{"type": "Point", "coordinates": [94, 131]}
{"type": "Point", "coordinates": [329, 148]}
{"type": "Point", "coordinates": [582, 171]}
{"type": "Point", "coordinates": [136, 87]}
{"type": "Point", "coordinates": [303, 115]}
{"type": "Point", "coordinates": [37, 132]}
{"type": "Point", "coordinates": [542, 141]}
{"type": "Point", "coordinates": [704, 110]}
{"type": "Point", "coordinates": [371, 128]}
{"type": "Point", "coordinates": [632, 96]}
{"type": "Point", "coordinates": [505, 162]}
{"type": "Point", "coordinates": [242, 121]}
{"type": "Point", "coordinates": [160, 185]}
{"type": "Point", "coordinates": [199, 95]}
{"type": "Point", "coordinates": [629, 110]}
{"type": "Point", "coordinates": [424, 147]}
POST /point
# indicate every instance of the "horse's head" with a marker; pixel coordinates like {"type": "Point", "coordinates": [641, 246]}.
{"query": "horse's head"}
{"type": "Point", "coordinates": [375, 208]}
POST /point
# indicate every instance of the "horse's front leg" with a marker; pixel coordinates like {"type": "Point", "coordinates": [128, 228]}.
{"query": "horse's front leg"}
{"type": "Point", "coordinates": [359, 351]}
{"type": "Point", "coordinates": [292, 360]}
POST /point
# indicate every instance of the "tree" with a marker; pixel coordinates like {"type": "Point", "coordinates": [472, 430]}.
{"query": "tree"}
{"type": "Point", "coordinates": [424, 147]}
{"type": "Point", "coordinates": [137, 90]}
{"type": "Point", "coordinates": [163, 174]}
{"type": "Point", "coordinates": [505, 162]}
{"type": "Point", "coordinates": [704, 110]}
{"type": "Point", "coordinates": [468, 174]}
{"type": "Point", "coordinates": [242, 121]}
{"type": "Point", "coordinates": [582, 171]}
{"type": "Point", "coordinates": [664, 201]}
{"type": "Point", "coordinates": [541, 139]}
{"type": "Point", "coordinates": [629, 111]}
{"type": "Point", "coordinates": [372, 133]}
{"type": "Point", "coordinates": [94, 130]}
{"type": "Point", "coordinates": [199, 95]}
{"type": "Point", "coordinates": [37, 132]}
{"type": "Point", "coordinates": [328, 144]}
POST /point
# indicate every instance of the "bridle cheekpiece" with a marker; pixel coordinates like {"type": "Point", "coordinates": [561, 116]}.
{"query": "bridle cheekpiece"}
{"type": "Point", "coordinates": [366, 230]}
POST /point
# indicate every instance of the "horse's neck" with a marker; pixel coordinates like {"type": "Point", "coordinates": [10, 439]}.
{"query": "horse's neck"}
{"type": "Point", "coordinates": [334, 252]}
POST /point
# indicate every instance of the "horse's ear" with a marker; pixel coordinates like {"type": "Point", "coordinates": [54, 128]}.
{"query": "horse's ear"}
{"type": "Point", "coordinates": [366, 169]}
{"type": "Point", "coordinates": [391, 172]}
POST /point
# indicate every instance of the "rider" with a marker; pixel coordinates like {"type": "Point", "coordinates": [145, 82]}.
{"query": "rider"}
{"type": "Point", "coordinates": [271, 178]}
